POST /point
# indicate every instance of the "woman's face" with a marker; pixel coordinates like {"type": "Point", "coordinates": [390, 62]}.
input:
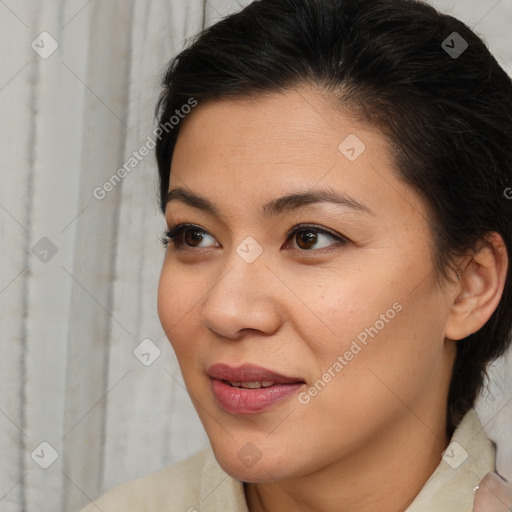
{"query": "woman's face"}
{"type": "Point", "coordinates": [348, 308]}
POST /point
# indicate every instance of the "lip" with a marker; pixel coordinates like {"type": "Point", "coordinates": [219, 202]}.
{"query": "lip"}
{"type": "Point", "coordinates": [249, 401]}
{"type": "Point", "coordinates": [248, 373]}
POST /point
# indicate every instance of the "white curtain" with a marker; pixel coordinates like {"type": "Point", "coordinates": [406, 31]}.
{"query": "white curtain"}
{"type": "Point", "coordinates": [80, 260]}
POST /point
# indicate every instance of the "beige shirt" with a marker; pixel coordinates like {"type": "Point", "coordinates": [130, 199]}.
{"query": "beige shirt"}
{"type": "Point", "coordinates": [199, 484]}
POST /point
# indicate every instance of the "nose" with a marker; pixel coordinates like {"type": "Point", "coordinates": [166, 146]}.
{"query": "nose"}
{"type": "Point", "coordinates": [244, 297]}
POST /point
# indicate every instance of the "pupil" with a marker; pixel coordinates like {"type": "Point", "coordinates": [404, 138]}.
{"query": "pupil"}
{"type": "Point", "coordinates": [191, 236]}
{"type": "Point", "coordinates": [309, 237]}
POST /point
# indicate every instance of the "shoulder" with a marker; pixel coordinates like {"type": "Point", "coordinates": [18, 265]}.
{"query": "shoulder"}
{"type": "Point", "coordinates": [174, 488]}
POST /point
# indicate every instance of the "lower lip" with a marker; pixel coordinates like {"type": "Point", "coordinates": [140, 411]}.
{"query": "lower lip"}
{"type": "Point", "coordinates": [250, 401]}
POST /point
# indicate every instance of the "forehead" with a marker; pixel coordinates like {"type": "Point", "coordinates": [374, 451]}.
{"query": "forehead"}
{"type": "Point", "coordinates": [297, 125]}
{"type": "Point", "coordinates": [251, 150]}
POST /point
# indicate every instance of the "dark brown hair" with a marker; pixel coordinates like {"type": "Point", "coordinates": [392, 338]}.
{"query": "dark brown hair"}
{"type": "Point", "coordinates": [397, 64]}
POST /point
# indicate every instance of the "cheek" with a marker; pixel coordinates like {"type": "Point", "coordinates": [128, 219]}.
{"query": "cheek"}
{"type": "Point", "coordinates": [177, 304]}
{"type": "Point", "coordinates": [348, 307]}
{"type": "Point", "coordinates": [166, 303]}
{"type": "Point", "coordinates": [389, 344]}
{"type": "Point", "coordinates": [372, 320]}
{"type": "Point", "coordinates": [176, 298]}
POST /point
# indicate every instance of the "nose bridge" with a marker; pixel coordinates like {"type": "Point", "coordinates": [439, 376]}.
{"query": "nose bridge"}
{"type": "Point", "coordinates": [243, 297]}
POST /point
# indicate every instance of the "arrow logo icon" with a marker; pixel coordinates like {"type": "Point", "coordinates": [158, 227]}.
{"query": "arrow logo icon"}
{"type": "Point", "coordinates": [351, 147]}
{"type": "Point", "coordinates": [44, 45]}
{"type": "Point", "coordinates": [146, 352]}
{"type": "Point", "coordinates": [44, 455]}
{"type": "Point", "coordinates": [249, 249]}
{"type": "Point", "coordinates": [455, 455]}
{"type": "Point", "coordinates": [249, 454]}
{"type": "Point", "coordinates": [454, 45]}
{"type": "Point", "coordinates": [44, 250]}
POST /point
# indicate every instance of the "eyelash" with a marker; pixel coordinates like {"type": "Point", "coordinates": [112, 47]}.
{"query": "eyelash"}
{"type": "Point", "coordinates": [173, 236]}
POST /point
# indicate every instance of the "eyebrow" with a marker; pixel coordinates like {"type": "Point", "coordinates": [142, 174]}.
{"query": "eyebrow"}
{"type": "Point", "coordinates": [274, 207]}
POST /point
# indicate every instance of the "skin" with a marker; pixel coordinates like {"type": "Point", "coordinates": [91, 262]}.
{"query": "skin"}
{"type": "Point", "coordinates": [379, 424]}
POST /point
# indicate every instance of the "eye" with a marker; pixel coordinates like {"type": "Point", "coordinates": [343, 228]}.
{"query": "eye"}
{"type": "Point", "coordinates": [307, 236]}
{"type": "Point", "coordinates": [187, 235]}
{"type": "Point", "coordinates": [190, 236]}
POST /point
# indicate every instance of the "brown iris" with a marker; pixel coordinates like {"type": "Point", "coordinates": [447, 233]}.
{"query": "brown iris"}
{"type": "Point", "coordinates": [308, 237]}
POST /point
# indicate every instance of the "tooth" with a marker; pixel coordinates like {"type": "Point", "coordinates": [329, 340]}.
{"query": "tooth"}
{"type": "Point", "coordinates": [251, 385]}
{"type": "Point", "coordinates": [235, 384]}
{"type": "Point", "coordinates": [267, 383]}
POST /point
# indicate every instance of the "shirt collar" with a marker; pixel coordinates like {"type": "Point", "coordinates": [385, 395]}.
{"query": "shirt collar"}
{"type": "Point", "coordinates": [468, 458]}
{"type": "Point", "coordinates": [218, 490]}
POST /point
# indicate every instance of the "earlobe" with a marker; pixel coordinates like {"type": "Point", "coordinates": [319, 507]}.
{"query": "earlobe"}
{"type": "Point", "coordinates": [480, 287]}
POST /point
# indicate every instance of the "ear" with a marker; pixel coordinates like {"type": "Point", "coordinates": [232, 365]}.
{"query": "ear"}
{"type": "Point", "coordinates": [481, 282]}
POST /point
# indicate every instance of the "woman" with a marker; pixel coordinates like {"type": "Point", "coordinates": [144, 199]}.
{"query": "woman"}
{"type": "Point", "coordinates": [334, 178]}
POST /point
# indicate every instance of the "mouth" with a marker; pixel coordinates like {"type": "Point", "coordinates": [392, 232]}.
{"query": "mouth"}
{"type": "Point", "coordinates": [250, 389]}
{"type": "Point", "coordinates": [251, 384]}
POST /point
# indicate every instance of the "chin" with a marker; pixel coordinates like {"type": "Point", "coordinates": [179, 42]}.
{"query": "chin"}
{"type": "Point", "coordinates": [249, 464]}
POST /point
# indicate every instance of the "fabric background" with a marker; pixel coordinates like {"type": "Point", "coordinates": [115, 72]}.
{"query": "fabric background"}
{"type": "Point", "coordinates": [78, 275]}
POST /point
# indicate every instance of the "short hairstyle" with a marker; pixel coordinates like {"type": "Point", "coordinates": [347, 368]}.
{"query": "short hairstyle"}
{"type": "Point", "coordinates": [396, 65]}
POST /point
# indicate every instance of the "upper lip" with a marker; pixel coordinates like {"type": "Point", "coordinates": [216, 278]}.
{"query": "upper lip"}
{"type": "Point", "coordinates": [247, 373]}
